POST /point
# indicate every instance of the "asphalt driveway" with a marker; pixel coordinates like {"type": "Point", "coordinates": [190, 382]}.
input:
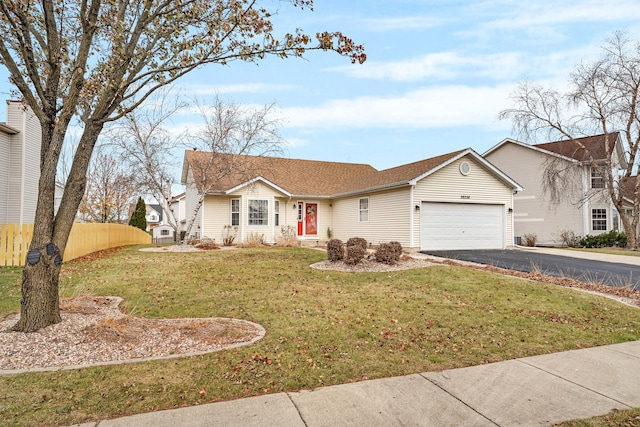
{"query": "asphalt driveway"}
{"type": "Point", "coordinates": [584, 270]}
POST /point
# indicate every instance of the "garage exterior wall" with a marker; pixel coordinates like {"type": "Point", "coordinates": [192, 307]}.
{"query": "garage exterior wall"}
{"type": "Point", "coordinates": [389, 216]}
{"type": "Point", "coordinates": [449, 185]}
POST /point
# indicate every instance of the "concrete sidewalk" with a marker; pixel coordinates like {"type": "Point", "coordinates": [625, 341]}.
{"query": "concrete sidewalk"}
{"type": "Point", "coordinates": [533, 391]}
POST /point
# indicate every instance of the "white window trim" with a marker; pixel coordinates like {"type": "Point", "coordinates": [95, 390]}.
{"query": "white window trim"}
{"type": "Point", "coordinates": [599, 219]}
{"type": "Point", "coordinates": [231, 212]}
{"type": "Point", "coordinates": [360, 210]}
{"type": "Point", "coordinates": [596, 175]}
{"type": "Point", "coordinates": [276, 213]}
{"type": "Point", "coordinates": [265, 217]}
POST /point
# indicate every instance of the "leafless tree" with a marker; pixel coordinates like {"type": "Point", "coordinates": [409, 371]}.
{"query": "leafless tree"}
{"type": "Point", "coordinates": [228, 130]}
{"type": "Point", "coordinates": [95, 61]}
{"type": "Point", "coordinates": [111, 191]}
{"type": "Point", "coordinates": [603, 98]}
{"type": "Point", "coordinates": [146, 146]}
{"type": "Point", "coordinates": [229, 134]}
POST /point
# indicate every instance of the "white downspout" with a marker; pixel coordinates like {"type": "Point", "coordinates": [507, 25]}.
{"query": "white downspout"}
{"type": "Point", "coordinates": [411, 219]}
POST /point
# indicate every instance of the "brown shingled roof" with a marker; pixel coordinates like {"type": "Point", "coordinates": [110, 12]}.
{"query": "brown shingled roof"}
{"type": "Point", "coordinates": [398, 175]}
{"type": "Point", "coordinates": [628, 187]}
{"type": "Point", "coordinates": [308, 177]}
{"type": "Point", "coordinates": [299, 177]}
{"type": "Point", "coordinates": [594, 145]}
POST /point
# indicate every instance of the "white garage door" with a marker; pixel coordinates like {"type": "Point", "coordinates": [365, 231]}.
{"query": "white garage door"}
{"type": "Point", "coordinates": [461, 226]}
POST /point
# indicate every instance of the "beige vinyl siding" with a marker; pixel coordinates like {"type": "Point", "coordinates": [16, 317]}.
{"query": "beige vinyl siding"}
{"type": "Point", "coordinates": [32, 140]}
{"type": "Point", "coordinates": [449, 185]}
{"type": "Point", "coordinates": [4, 175]}
{"type": "Point", "coordinates": [16, 166]}
{"type": "Point", "coordinates": [389, 213]}
{"type": "Point", "coordinates": [24, 164]}
{"type": "Point", "coordinates": [217, 213]}
{"type": "Point", "coordinates": [533, 211]}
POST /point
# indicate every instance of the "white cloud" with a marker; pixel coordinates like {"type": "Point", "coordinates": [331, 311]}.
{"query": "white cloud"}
{"type": "Point", "coordinates": [400, 23]}
{"type": "Point", "coordinates": [531, 14]}
{"type": "Point", "coordinates": [435, 107]}
{"type": "Point", "coordinates": [449, 66]}
{"type": "Point", "coordinates": [443, 65]}
{"type": "Point", "coordinates": [200, 90]}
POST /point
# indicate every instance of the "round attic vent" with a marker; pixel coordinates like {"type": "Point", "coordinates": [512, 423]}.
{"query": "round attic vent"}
{"type": "Point", "coordinates": [465, 168]}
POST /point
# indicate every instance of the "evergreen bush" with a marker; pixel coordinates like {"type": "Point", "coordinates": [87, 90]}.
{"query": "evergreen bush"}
{"type": "Point", "coordinates": [605, 240]}
{"type": "Point", "coordinates": [139, 215]}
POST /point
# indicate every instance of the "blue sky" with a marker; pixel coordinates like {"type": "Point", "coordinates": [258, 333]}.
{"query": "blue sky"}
{"type": "Point", "coordinates": [437, 75]}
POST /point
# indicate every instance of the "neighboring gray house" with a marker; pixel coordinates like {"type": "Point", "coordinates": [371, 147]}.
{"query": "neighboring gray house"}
{"type": "Point", "coordinates": [454, 201]}
{"type": "Point", "coordinates": [584, 206]}
{"type": "Point", "coordinates": [20, 138]}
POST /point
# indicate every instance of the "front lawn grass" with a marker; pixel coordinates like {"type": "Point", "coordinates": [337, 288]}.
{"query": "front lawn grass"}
{"type": "Point", "coordinates": [323, 328]}
{"type": "Point", "coordinates": [10, 289]}
{"type": "Point", "coordinates": [612, 251]}
{"type": "Point", "coordinates": [625, 418]}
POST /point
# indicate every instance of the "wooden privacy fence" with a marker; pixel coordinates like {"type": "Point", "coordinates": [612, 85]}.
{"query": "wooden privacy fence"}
{"type": "Point", "coordinates": [84, 239]}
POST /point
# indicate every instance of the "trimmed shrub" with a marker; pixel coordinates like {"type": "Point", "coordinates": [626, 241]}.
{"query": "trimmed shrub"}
{"type": "Point", "coordinates": [355, 254]}
{"type": "Point", "coordinates": [358, 241]}
{"type": "Point", "coordinates": [389, 253]}
{"type": "Point", "coordinates": [604, 240]}
{"type": "Point", "coordinates": [335, 250]}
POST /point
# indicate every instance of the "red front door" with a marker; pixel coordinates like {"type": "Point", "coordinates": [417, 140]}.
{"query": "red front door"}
{"type": "Point", "coordinates": [311, 218]}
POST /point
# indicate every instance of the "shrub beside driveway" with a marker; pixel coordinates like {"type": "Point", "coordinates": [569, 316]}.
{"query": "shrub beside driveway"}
{"type": "Point", "coordinates": [323, 327]}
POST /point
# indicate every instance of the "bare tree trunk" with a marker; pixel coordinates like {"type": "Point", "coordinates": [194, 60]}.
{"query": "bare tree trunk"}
{"type": "Point", "coordinates": [39, 307]}
{"type": "Point", "coordinates": [191, 220]}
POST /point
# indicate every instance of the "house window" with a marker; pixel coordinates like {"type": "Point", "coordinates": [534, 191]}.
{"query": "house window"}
{"type": "Point", "coordinates": [153, 218]}
{"type": "Point", "coordinates": [235, 212]}
{"type": "Point", "coordinates": [597, 180]}
{"type": "Point", "coordinates": [258, 212]}
{"type": "Point", "coordinates": [599, 219]}
{"type": "Point", "coordinates": [276, 213]}
{"type": "Point", "coordinates": [364, 209]}
{"type": "Point", "coordinates": [164, 232]}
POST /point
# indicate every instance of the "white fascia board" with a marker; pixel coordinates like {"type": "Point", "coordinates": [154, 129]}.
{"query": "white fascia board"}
{"type": "Point", "coordinates": [185, 170]}
{"type": "Point", "coordinates": [253, 181]}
